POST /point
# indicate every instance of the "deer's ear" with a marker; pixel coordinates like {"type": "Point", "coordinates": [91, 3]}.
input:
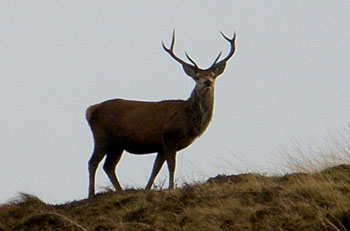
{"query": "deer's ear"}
{"type": "Point", "coordinates": [190, 70]}
{"type": "Point", "coordinates": [219, 68]}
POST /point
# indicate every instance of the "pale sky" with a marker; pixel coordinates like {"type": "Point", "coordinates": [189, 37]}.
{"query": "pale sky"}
{"type": "Point", "coordinates": [289, 78]}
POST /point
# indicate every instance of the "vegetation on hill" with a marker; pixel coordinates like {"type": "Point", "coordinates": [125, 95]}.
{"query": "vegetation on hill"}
{"type": "Point", "coordinates": [299, 201]}
{"type": "Point", "coordinates": [314, 196]}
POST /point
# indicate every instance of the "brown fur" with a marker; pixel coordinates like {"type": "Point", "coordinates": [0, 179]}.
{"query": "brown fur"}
{"type": "Point", "coordinates": [141, 127]}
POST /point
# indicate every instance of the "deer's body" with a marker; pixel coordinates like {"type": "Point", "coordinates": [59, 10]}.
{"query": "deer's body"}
{"type": "Point", "coordinates": [163, 127]}
{"type": "Point", "coordinates": [142, 127]}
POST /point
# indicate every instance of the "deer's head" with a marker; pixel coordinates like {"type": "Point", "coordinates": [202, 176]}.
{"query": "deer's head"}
{"type": "Point", "coordinates": [205, 77]}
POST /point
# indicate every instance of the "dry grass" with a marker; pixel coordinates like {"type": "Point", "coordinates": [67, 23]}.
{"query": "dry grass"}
{"type": "Point", "coordinates": [314, 196]}
{"type": "Point", "coordinates": [318, 201]}
{"type": "Point", "coordinates": [314, 156]}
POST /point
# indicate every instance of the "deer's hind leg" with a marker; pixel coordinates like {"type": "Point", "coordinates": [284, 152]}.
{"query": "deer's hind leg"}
{"type": "Point", "coordinates": [95, 159]}
{"type": "Point", "coordinates": [112, 159]}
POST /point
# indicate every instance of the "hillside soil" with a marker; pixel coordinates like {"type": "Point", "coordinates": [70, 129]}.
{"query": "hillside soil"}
{"type": "Point", "coordinates": [318, 201]}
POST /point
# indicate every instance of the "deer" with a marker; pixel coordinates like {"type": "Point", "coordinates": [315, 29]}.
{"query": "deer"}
{"type": "Point", "coordinates": [163, 127]}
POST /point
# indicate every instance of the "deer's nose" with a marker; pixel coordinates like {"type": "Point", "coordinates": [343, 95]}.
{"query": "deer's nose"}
{"type": "Point", "coordinates": [207, 83]}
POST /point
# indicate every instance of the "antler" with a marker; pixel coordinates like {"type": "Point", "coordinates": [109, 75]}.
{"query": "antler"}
{"type": "Point", "coordinates": [229, 55]}
{"type": "Point", "coordinates": [171, 53]}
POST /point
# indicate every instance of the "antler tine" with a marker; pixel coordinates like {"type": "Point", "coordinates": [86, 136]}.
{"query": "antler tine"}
{"type": "Point", "coordinates": [172, 41]}
{"type": "Point", "coordinates": [232, 51]}
{"type": "Point", "coordinates": [217, 58]}
{"type": "Point", "coordinates": [171, 52]}
{"type": "Point", "coordinates": [192, 61]}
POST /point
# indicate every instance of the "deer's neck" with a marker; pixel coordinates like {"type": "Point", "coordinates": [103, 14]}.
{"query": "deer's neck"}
{"type": "Point", "coordinates": [201, 103]}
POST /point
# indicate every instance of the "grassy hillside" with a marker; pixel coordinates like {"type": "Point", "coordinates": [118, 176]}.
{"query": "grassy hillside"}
{"type": "Point", "coordinates": [315, 201]}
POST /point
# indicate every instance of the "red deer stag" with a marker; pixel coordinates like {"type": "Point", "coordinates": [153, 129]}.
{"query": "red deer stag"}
{"type": "Point", "coordinates": [164, 127]}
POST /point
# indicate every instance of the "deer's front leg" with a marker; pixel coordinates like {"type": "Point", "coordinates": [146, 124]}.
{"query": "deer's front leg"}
{"type": "Point", "coordinates": [158, 163]}
{"type": "Point", "coordinates": [170, 156]}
